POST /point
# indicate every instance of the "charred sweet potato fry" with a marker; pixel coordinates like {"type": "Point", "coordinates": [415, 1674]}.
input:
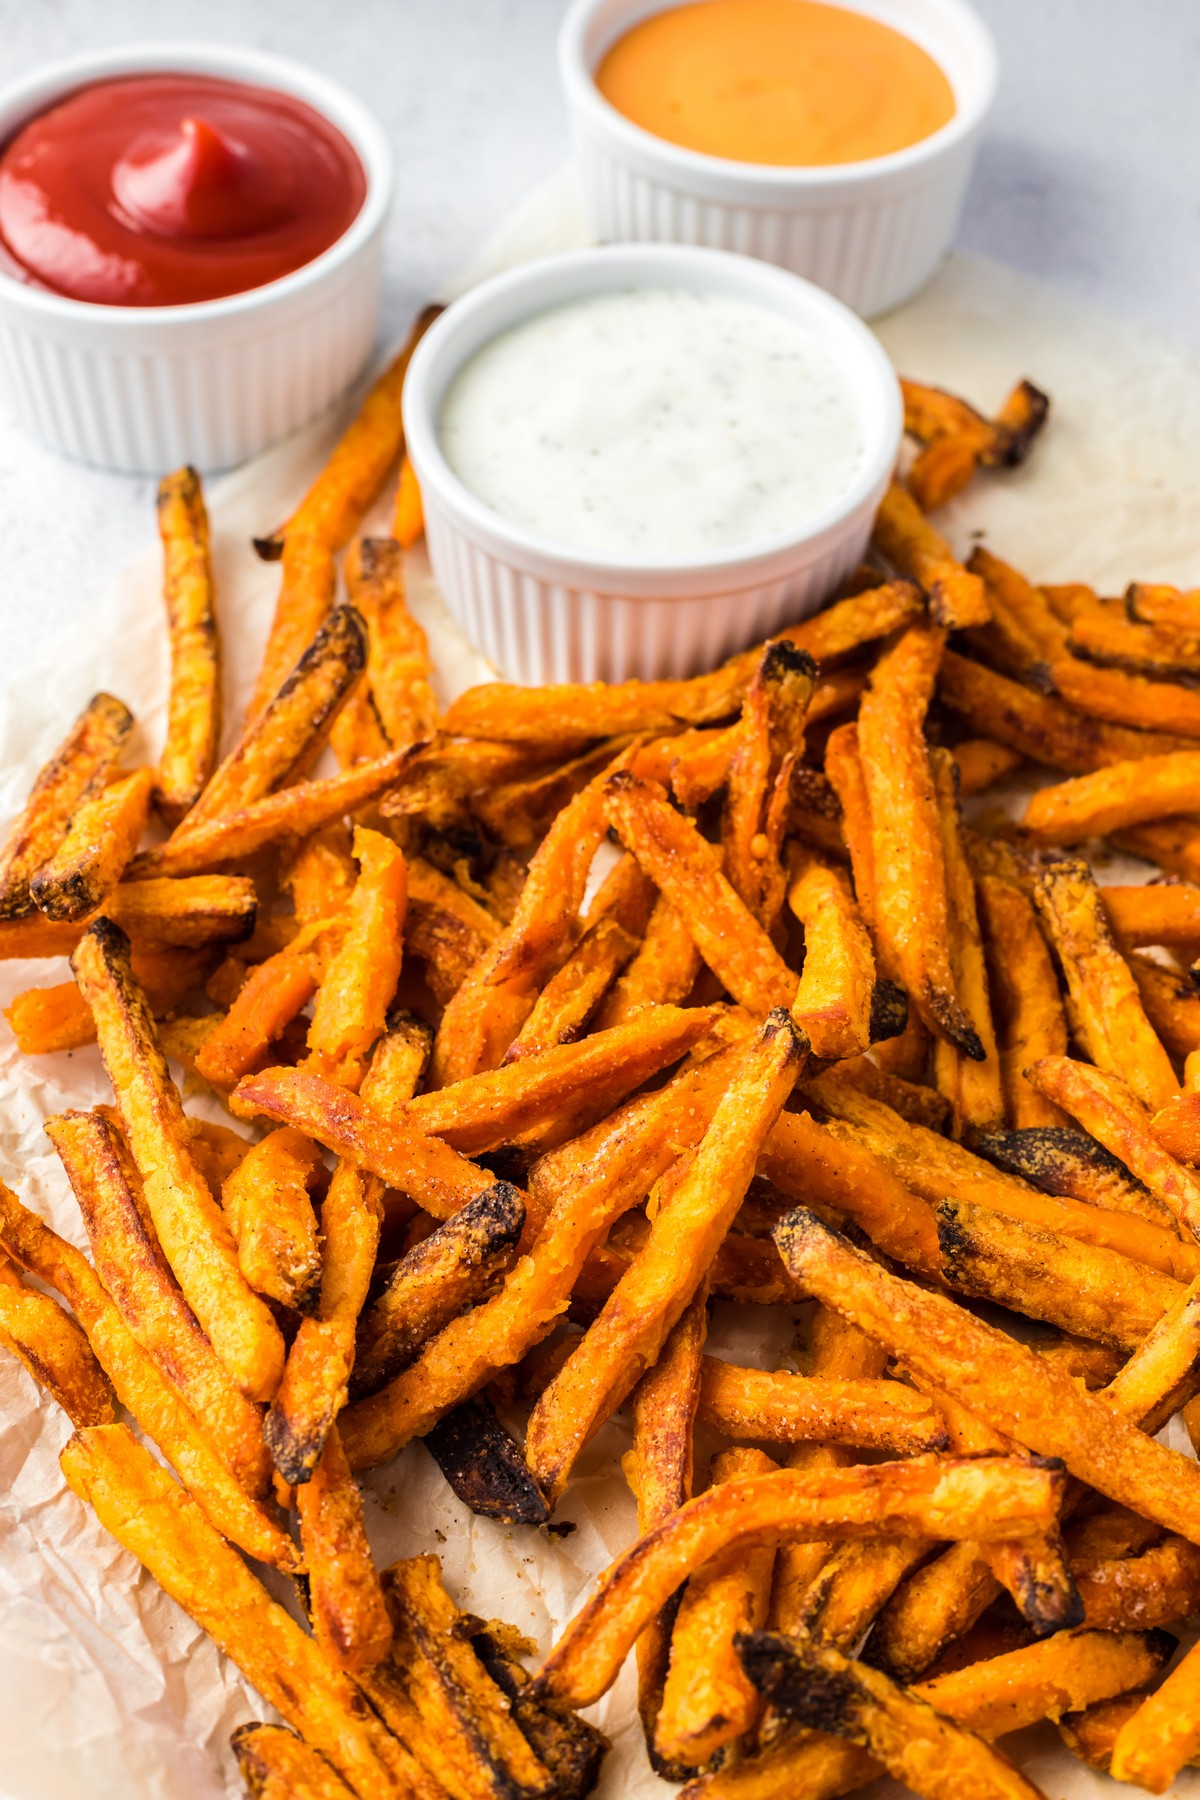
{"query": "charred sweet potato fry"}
{"type": "Point", "coordinates": [360, 976]}
{"type": "Point", "coordinates": [989, 1497]}
{"type": "Point", "coordinates": [444, 928]}
{"type": "Point", "coordinates": [571, 1748]}
{"type": "Point", "coordinates": [684, 1237]}
{"type": "Point", "coordinates": [191, 1229]}
{"type": "Point", "coordinates": [285, 737]}
{"type": "Point", "coordinates": [157, 915]}
{"type": "Point", "coordinates": [275, 1764]}
{"type": "Point", "coordinates": [708, 1701]}
{"type": "Point", "coordinates": [129, 1261]}
{"type": "Point", "coordinates": [992, 1375]}
{"type": "Point", "coordinates": [957, 599]}
{"type": "Point", "coordinates": [483, 1465]}
{"type": "Point", "coordinates": [1023, 604]}
{"type": "Point", "coordinates": [769, 741]}
{"type": "Point", "coordinates": [154, 1519]}
{"type": "Point", "coordinates": [1110, 1019]}
{"type": "Point", "coordinates": [1104, 633]}
{"type": "Point", "coordinates": [973, 1086]}
{"type": "Point", "coordinates": [837, 982]}
{"type": "Point", "coordinates": [76, 773]}
{"type": "Point", "coordinates": [267, 1205]}
{"type": "Point", "coordinates": [92, 857]}
{"type": "Point", "coordinates": [1024, 986]}
{"type": "Point", "coordinates": [957, 439]}
{"type": "Point", "coordinates": [398, 666]}
{"type": "Point", "coordinates": [194, 704]}
{"type": "Point", "coordinates": [345, 1599]}
{"type": "Point", "coordinates": [1154, 1587]}
{"type": "Point", "coordinates": [34, 1328]}
{"type": "Point", "coordinates": [1072, 1164]}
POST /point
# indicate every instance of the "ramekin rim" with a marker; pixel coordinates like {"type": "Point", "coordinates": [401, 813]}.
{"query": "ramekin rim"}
{"type": "Point", "coordinates": [493, 528]}
{"type": "Point", "coordinates": [774, 180]}
{"type": "Point", "coordinates": [195, 55]}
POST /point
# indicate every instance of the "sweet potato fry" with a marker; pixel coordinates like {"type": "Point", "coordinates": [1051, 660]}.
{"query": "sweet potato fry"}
{"type": "Point", "coordinates": [1172, 608]}
{"type": "Point", "coordinates": [455, 1267]}
{"type": "Point", "coordinates": [408, 512]}
{"type": "Point", "coordinates": [1071, 1164]}
{"type": "Point", "coordinates": [1110, 1019]}
{"type": "Point", "coordinates": [990, 1497]}
{"type": "Point", "coordinates": [1163, 1735]}
{"type": "Point", "coordinates": [972, 1085]}
{"type": "Point", "coordinates": [267, 1206]}
{"type": "Point", "coordinates": [444, 928]}
{"type": "Point", "coordinates": [1025, 605]}
{"type": "Point", "coordinates": [1122, 698]}
{"type": "Point", "coordinates": [1028, 1002]}
{"type": "Point", "coordinates": [1158, 913]}
{"type": "Point", "coordinates": [89, 861]}
{"type": "Point", "coordinates": [662, 971]}
{"type": "Point", "coordinates": [398, 666]}
{"type": "Point", "coordinates": [1090, 1735]}
{"type": "Point", "coordinates": [762, 1407]}
{"type": "Point", "coordinates": [157, 915]}
{"type": "Point", "coordinates": [194, 705]}
{"type": "Point", "coordinates": [993, 1376]}
{"type": "Point", "coordinates": [682, 865]}
{"type": "Point", "coordinates": [981, 764]}
{"type": "Point", "coordinates": [156, 1521]}
{"type": "Point", "coordinates": [1157, 1586]}
{"type": "Point", "coordinates": [1043, 729]}
{"type": "Point", "coordinates": [483, 1465]}
{"type": "Point", "coordinates": [708, 1701]}
{"type": "Point", "coordinates": [285, 737]}
{"type": "Point", "coordinates": [34, 1328]}
{"type": "Point", "coordinates": [272, 995]}
{"type": "Point", "coordinates": [910, 906]}
{"type": "Point", "coordinates": [58, 1018]}
{"type": "Point", "coordinates": [1177, 1127]}
{"type": "Point", "coordinates": [570, 1747]}
{"type": "Point", "coordinates": [1107, 1108]}
{"type": "Point", "coordinates": [564, 1006]}
{"type": "Point", "coordinates": [1171, 1004]}
{"type": "Point", "coordinates": [317, 1372]}
{"type": "Point", "coordinates": [140, 1386]}
{"type": "Point", "coordinates": [295, 812]}
{"type": "Point", "coordinates": [957, 599]}
{"type": "Point", "coordinates": [130, 1263]}
{"type": "Point", "coordinates": [684, 1237]}
{"type": "Point", "coordinates": [769, 741]}
{"type": "Point", "coordinates": [833, 1001]}
{"type": "Point", "coordinates": [659, 1467]}
{"type": "Point", "coordinates": [1104, 633]}
{"type": "Point", "coordinates": [1083, 1289]}
{"type": "Point", "coordinates": [360, 977]}
{"type": "Point", "coordinates": [75, 774]}
{"type": "Point", "coordinates": [277, 1765]}
{"type": "Point", "coordinates": [191, 1229]}
{"type": "Point", "coordinates": [345, 1598]}
{"type": "Point", "coordinates": [438, 1695]}
{"type": "Point", "coordinates": [1125, 793]}
{"type": "Point", "coordinates": [957, 439]}
{"type": "Point", "coordinates": [921, 1747]}
{"type": "Point", "coordinates": [307, 591]}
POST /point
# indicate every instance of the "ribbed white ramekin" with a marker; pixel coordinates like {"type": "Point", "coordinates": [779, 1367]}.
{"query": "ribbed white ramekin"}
{"type": "Point", "coordinates": [146, 388]}
{"type": "Point", "coordinates": [543, 613]}
{"type": "Point", "coordinates": [870, 232]}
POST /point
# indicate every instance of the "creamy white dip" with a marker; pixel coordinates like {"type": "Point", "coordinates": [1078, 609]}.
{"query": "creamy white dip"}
{"type": "Point", "coordinates": [654, 423]}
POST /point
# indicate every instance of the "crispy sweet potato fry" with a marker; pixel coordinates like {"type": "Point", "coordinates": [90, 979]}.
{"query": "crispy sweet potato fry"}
{"type": "Point", "coordinates": [1125, 793]}
{"type": "Point", "coordinates": [58, 1018]}
{"type": "Point", "coordinates": [972, 1085]}
{"type": "Point", "coordinates": [1002, 1381]}
{"type": "Point", "coordinates": [662, 971]}
{"type": "Point", "coordinates": [1155, 1587]}
{"type": "Point", "coordinates": [307, 591]}
{"type": "Point", "coordinates": [272, 995]}
{"type": "Point", "coordinates": [1103, 632]}
{"type": "Point", "coordinates": [1163, 1735]}
{"type": "Point", "coordinates": [408, 512]}
{"type": "Point", "coordinates": [1108, 1012]}
{"type": "Point", "coordinates": [1158, 913]}
{"type": "Point", "coordinates": [156, 1521]}
{"type": "Point", "coordinates": [781, 1408]}
{"type": "Point", "coordinates": [708, 1701]}
{"type": "Point", "coordinates": [957, 599]}
{"type": "Point", "coordinates": [990, 1497]}
{"type": "Point", "coordinates": [437, 1693]}
{"type": "Point", "coordinates": [833, 1001]}
{"type": "Point", "coordinates": [285, 737]}
{"type": "Point", "coordinates": [1025, 605]}
{"type": "Point", "coordinates": [682, 865]}
{"type": "Point", "coordinates": [91, 858]}
{"type": "Point", "coordinates": [277, 1765]}
{"type": "Point", "coordinates": [910, 906]}
{"type": "Point", "coordinates": [981, 764]}
{"type": "Point", "coordinates": [75, 774]}
{"type": "Point", "coordinates": [564, 1006]}
{"type": "Point", "coordinates": [444, 928]}
{"type": "Point", "coordinates": [1070, 1163]}
{"type": "Point", "coordinates": [571, 1749]}
{"type": "Point", "coordinates": [684, 1237]}
{"type": "Point", "coordinates": [269, 1212]}
{"type": "Point", "coordinates": [360, 976]}
{"type": "Point", "coordinates": [140, 1386]}
{"type": "Point", "coordinates": [1025, 988]}
{"type": "Point", "coordinates": [483, 1465]}
{"type": "Point", "coordinates": [295, 812]}
{"type": "Point", "coordinates": [157, 915]}
{"type": "Point", "coordinates": [194, 1236]}
{"type": "Point", "coordinates": [1155, 603]}
{"type": "Point", "coordinates": [957, 439]}
{"type": "Point", "coordinates": [659, 1467]}
{"type": "Point", "coordinates": [1123, 698]}
{"type": "Point", "coordinates": [345, 1597]}
{"type": "Point", "coordinates": [194, 705]}
{"type": "Point", "coordinates": [130, 1263]}
{"type": "Point", "coordinates": [768, 743]}
{"type": "Point", "coordinates": [1107, 1108]}
{"type": "Point", "coordinates": [34, 1328]}
{"type": "Point", "coordinates": [398, 666]}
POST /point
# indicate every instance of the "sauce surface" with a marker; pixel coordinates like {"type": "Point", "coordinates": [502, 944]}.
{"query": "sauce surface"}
{"type": "Point", "coordinates": [158, 190]}
{"type": "Point", "coordinates": [654, 424]}
{"type": "Point", "coordinates": [791, 82]}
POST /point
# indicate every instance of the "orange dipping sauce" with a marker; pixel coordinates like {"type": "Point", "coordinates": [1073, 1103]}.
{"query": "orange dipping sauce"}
{"type": "Point", "coordinates": [789, 82]}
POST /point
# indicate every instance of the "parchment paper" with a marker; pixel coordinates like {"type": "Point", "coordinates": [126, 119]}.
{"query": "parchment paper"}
{"type": "Point", "coordinates": [106, 1688]}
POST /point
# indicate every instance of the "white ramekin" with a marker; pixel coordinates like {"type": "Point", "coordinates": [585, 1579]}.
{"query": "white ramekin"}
{"type": "Point", "coordinates": [542, 612]}
{"type": "Point", "coordinates": [145, 388]}
{"type": "Point", "coordinates": [870, 232]}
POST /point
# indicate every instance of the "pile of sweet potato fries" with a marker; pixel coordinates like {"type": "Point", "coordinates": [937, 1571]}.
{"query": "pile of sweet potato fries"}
{"type": "Point", "coordinates": [502, 1131]}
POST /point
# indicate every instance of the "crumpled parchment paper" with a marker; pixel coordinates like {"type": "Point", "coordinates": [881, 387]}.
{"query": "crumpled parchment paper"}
{"type": "Point", "coordinates": [108, 1689]}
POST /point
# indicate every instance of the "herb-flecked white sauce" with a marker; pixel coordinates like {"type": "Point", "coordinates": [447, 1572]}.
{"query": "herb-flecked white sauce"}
{"type": "Point", "coordinates": [654, 423]}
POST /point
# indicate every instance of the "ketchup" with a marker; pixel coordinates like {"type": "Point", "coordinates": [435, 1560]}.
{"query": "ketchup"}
{"type": "Point", "coordinates": [157, 190]}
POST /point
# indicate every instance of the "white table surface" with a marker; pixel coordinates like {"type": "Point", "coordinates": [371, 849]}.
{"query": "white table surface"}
{"type": "Point", "coordinates": [1088, 177]}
